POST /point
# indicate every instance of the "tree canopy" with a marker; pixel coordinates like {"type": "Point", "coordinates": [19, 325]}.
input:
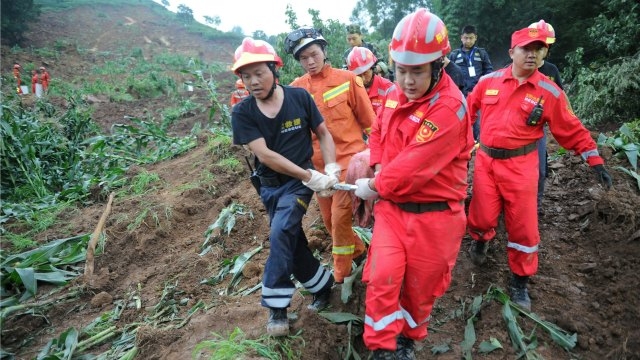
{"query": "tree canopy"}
{"type": "Point", "coordinates": [15, 17]}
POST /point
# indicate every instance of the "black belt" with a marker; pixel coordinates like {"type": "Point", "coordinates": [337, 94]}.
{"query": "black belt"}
{"type": "Point", "coordinates": [274, 181]}
{"type": "Point", "coordinates": [509, 153]}
{"type": "Point", "coordinates": [419, 208]}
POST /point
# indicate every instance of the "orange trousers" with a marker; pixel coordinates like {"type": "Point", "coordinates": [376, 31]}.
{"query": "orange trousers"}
{"type": "Point", "coordinates": [337, 215]}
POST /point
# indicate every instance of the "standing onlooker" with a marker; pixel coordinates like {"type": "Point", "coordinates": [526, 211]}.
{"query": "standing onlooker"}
{"type": "Point", "coordinates": [550, 71]}
{"type": "Point", "coordinates": [16, 75]}
{"type": "Point", "coordinates": [347, 111]}
{"type": "Point", "coordinates": [276, 122]}
{"type": "Point", "coordinates": [37, 83]}
{"type": "Point", "coordinates": [354, 38]}
{"type": "Point", "coordinates": [516, 102]}
{"type": "Point", "coordinates": [238, 94]}
{"type": "Point", "coordinates": [45, 79]}
{"type": "Point", "coordinates": [473, 61]}
{"type": "Point", "coordinates": [420, 148]}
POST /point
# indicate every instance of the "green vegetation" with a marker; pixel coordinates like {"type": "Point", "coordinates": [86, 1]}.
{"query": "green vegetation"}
{"type": "Point", "coordinates": [237, 346]}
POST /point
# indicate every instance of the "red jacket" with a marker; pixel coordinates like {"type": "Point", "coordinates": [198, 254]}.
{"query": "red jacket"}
{"type": "Point", "coordinates": [378, 91]}
{"type": "Point", "coordinates": [343, 102]}
{"type": "Point", "coordinates": [423, 146]}
{"type": "Point", "coordinates": [505, 107]}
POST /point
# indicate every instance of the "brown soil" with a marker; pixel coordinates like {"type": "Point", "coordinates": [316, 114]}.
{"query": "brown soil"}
{"type": "Point", "coordinates": [589, 255]}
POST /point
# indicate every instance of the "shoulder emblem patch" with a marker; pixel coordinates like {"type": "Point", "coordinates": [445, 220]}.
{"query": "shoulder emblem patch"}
{"type": "Point", "coordinates": [426, 131]}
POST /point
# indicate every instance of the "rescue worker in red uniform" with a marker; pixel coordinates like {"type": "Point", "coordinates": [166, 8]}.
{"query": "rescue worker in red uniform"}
{"type": "Point", "coordinates": [420, 148]}
{"type": "Point", "coordinates": [238, 94]}
{"type": "Point", "coordinates": [37, 83]}
{"type": "Point", "coordinates": [346, 109]}
{"type": "Point", "coordinates": [16, 75]}
{"type": "Point", "coordinates": [516, 102]}
{"type": "Point", "coordinates": [361, 61]}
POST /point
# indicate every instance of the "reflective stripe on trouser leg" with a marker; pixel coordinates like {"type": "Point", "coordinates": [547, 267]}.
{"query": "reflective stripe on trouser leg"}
{"type": "Point", "coordinates": [542, 166]}
{"type": "Point", "coordinates": [518, 186]}
{"type": "Point", "coordinates": [486, 203]}
{"type": "Point", "coordinates": [413, 252]}
{"type": "Point", "coordinates": [289, 253]}
{"type": "Point", "coordinates": [337, 215]}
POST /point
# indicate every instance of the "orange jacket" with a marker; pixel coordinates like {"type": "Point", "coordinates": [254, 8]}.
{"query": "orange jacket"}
{"type": "Point", "coordinates": [344, 103]}
{"type": "Point", "coordinates": [237, 96]}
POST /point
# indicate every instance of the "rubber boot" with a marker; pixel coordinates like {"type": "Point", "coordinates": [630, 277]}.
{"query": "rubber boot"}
{"type": "Point", "coordinates": [384, 355]}
{"type": "Point", "coordinates": [519, 293]}
{"type": "Point", "coordinates": [478, 252]}
{"type": "Point", "coordinates": [278, 324]}
{"type": "Point", "coordinates": [405, 349]}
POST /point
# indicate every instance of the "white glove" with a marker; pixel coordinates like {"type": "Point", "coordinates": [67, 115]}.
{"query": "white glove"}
{"type": "Point", "coordinates": [363, 191]}
{"type": "Point", "coordinates": [319, 182]}
{"type": "Point", "coordinates": [333, 169]}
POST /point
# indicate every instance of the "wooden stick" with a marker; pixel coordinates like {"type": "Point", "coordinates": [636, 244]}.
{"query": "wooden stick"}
{"type": "Point", "coordinates": [91, 247]}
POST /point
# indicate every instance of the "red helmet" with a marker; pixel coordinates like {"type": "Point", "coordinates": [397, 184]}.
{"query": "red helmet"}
{"type": "Point", "coordinates": [545, 27]}
{"type": "Point", "coordinates": [419, 38]}
{"type": "Point", "coordinates": [239, 84]}
{"type": "Point", "coordinates": [42, 68]}
{"type": "Point", "coordinates": [17, 66]}
{"type": "Point", "coordinates": [254, 51]}
{"type": "Point", "coordinates": [360, 59]}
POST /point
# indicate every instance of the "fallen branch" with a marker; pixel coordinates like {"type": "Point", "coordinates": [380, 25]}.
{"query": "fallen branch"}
{"type": "Point", "coordinates": [34, 305]}
{"type": "Point", "coordinates": [91, 247]}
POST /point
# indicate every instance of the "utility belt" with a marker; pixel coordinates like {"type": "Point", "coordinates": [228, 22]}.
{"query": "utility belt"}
{"type": "Point", "coordinates": [509, 153]}
{"type": "Point", "coordinates": [419, 208]}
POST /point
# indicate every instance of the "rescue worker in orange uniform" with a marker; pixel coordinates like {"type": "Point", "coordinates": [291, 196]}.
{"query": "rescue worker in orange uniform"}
{"type": "Point", "coordinates": [361, 61]}
{"type": "Point", "coordinates": [16, 75]}
{"type": "Point", "coordinates": [239, 93]}
{"type": "Point", "coordinates": [45, 79]}
{"type": "Point", "coordinates": [345, 106]}
{"type": "Point", "coordinates": [420, 148]}
{"type": "Point", "coordinates": [37, 83]}
{"type": "Point", "coordinates": [516, 102]}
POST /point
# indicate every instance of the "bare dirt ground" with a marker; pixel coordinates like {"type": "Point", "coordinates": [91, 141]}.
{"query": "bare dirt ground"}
{"type": "Point", "coordinates": [587, 282]}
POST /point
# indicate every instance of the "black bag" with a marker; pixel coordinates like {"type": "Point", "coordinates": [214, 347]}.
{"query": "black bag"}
{"type": "Point", "coordinates": [255, 179]}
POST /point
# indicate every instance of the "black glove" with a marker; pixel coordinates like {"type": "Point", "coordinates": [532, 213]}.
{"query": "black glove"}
{"type": "Point", "coordinates": [603, 176]}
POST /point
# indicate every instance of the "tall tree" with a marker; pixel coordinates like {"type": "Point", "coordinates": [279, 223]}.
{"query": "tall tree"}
{"type": "Point", "coordinates": [185, 14]}
{"type": "Point", "coordinates": [14, 19]}
{"type": "Point", "coordinates": [384, 15]}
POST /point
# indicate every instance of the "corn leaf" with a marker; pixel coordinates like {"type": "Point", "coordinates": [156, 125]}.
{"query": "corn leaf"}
{"type": "Point", "coordinates": [28, 279]}
{"type": "Point", "coordinates": [489, 346]}
{"type": "Point", "coordinates": [341, 317]}
{"type": "Point", "coordinates": [469, 339]}
{"type": "Point", "coordinates": [347, 286]}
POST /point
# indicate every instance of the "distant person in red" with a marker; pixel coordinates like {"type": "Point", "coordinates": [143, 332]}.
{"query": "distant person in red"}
{"type": "Point", "coordinates": [37, 83]}
{"type": "Point", "coordinates": [45, 79]}
{"type": "Point", "coordinates": [239, 93]}
{"type": "Point", "coordinates": [16, 75]}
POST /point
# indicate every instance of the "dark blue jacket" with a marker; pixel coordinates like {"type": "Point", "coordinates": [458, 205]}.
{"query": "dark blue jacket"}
{"type": "Point", "coordinates": [476, 57]}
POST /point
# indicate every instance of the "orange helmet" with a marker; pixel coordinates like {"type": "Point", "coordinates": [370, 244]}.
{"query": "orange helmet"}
{"type": "Point", "coordinates": [419, 38]}
{"type": "Point", "coordinates": [547, 28]}
{"type": "Point", "coordinates": [42, 68]}
{"type": "Point", "coordinates": [254, 51]}
{"type": "Point", "coordinates": [360, 59]}
{"type": "Point", "coordinates": [17, 66]}
{"type": "Point", "coordinates": [239, 84]}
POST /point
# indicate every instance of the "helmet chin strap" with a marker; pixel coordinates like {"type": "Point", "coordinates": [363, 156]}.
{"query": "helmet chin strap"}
{"type": "Point", "coordinates": [272, 67]}
{"type": "Point", "coordinates": [436, 73]}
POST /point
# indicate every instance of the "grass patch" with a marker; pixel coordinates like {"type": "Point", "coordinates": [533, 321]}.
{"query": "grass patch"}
{"type": "Point", "coordinates": [237, 346]}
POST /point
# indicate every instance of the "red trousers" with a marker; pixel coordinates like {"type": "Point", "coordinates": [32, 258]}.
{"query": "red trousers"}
{"type": "Point", "coordinates": [508, 185]}
{"type": "Point", "coordinates": [409, 266]}
{"type": "Point", "coordinates": [337, 215]}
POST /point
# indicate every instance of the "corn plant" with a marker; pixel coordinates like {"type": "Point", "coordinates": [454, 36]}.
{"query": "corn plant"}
{"type": "Point", "coordinates": [625, 142]}
{"type": "Point", "coordinates": [225, 222]}
{"type": "Point", "coordinates": [237, 346]}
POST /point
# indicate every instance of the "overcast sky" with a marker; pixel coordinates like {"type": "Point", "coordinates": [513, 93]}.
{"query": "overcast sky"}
{"type": "Point", "coordinates": [266, 15]}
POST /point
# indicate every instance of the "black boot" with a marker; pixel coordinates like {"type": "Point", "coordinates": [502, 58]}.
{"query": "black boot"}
{"type": "Point", "coordinates": [478, 252]}
{"type": "Point", "coordinates": [405, 349]}
{"type": "Point", "coordinates": [278, 324]}
{"type": "Point", "coordinates": [519, 293]}
{"type": "Point", "coordinates": [321, 298]}
{"type": "Point", "coordinates": [384, 355]}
